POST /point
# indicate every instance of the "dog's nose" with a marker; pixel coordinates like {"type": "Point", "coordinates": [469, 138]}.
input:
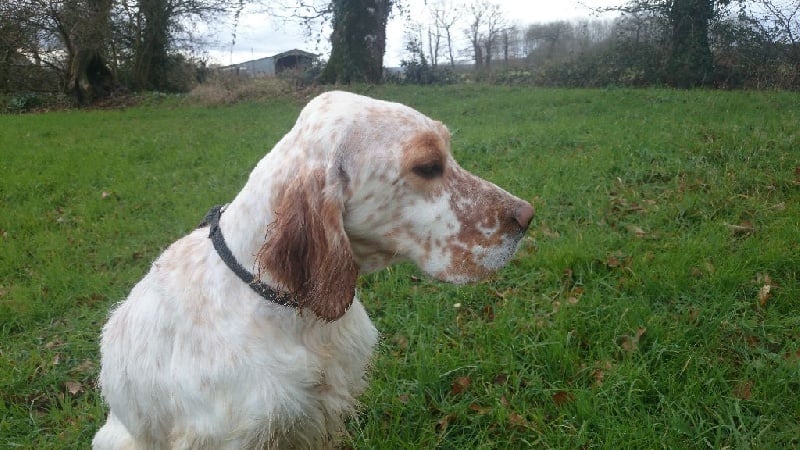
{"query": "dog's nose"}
{"type": "Point", "coordinates": [523, 215]}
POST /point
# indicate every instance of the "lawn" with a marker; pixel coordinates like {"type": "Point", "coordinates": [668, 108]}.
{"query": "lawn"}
{"type": "Point", "coordinates": [653, 304]}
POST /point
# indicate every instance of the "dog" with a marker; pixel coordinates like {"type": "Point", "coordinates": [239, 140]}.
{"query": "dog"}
{"type": "Point", "coordinates": [247, 332]}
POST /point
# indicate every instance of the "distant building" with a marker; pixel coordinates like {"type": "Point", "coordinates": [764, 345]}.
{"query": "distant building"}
{"type": "Point", "coordinates": [273, 65]}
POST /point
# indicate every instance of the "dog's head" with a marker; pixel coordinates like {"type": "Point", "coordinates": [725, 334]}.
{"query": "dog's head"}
{"type": "Point", "coordinates": [376, 183]}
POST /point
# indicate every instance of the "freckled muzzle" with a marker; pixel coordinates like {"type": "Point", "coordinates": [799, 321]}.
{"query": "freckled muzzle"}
{"type": "Point", "coordinates": [492, 224]}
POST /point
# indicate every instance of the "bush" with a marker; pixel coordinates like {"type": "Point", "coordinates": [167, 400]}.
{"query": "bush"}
{"type": "Point", "coordinates": [22, 102]}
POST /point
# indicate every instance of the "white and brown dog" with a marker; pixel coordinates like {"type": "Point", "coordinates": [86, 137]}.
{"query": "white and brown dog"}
{"type": "Point", "coordinates": [206, 354]}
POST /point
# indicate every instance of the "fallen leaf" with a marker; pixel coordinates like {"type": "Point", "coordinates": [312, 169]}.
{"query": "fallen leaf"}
{"type": "Point", "coordinates": [488, 313]}
{"type": "Point", "coordinates": [500, 379]}
{"type": "Point", "coordinates": [743, 390]}
{"type": "Point", "coordinates": [694, 314]}
{"type": "Point", "coordinates": [764, 294]}
{"type": "Point", "coordinates": [741, 229]}
{"type": "Point", "coordinates": [57, 342]}
{"type": "Point", "coordinates": [403, 398]}
{"type": "Point", "coordinates": [792, 357]}
{"type": "Point", "coordinates": [479, 409]}
{"type": "Point", "coordinates": [400, 342]}
{"type": "Point", "coordinates": [504, 401]}
{"type": "Point", "coordinates": [631, 342]}
{"type": "Point", "coordinates": [638, 231]}
{"type": "Point", "coordinates": [766, 290]}
{"type": "Point", "coordinates": [460, 385]}
{"type": "Point", "coordinates": [617, 260]}
{"type": "Point", "coordinates": [442, 424]}
{"type": "Point", "coordinates": [562, 398]}
{"type": "Point", "coordinates": [516, 419]}
{"type": "Point", "coordinates": [598, 376]}
{"type": "Point", "coordinates": [73, 387]}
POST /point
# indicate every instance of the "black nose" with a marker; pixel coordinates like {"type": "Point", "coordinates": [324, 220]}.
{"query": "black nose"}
{"type": "Point", "coordinates": [523, 215]}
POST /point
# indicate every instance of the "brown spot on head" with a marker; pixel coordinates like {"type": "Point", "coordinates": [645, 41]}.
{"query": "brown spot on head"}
{"type": "Point", "coordinates": [425, 158]}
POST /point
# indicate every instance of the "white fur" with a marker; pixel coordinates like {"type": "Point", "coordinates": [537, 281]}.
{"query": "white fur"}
{"type": "Point", "coordinates": [194, 359]}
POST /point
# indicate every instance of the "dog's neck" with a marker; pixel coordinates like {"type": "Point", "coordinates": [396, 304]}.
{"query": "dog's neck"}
{"type": "Point", "coordinates": [245, 220]}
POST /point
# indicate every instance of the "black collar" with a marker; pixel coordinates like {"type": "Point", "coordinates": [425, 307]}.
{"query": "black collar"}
{"type": "Point", "coordinates": [215, 234]}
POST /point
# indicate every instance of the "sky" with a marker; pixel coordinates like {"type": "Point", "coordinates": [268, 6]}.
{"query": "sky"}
{"type": "Point", "coordinates": [259, 34]}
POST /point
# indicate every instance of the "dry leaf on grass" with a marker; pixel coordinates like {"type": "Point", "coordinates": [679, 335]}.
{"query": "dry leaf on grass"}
{"type": "Point", "coordinates": [630, 343]}
{"type": "Point", "coordinates": [741, 229]}
{"type": "Point", "coordinates": [500, 379]}
{"type": "Point", "coordinates": [518, 420]}
{"type": "Point", "coordinates": [442, 424]}
{"type": "Point", "coordinates": [766, 290]}
{"type": "Point", "coordinates": [460, 385]}
{"type": "Point", "coordinates": [637, 231]}
{"type": "Point", "coordinates": [481, 410]}
{"type": "Point", "coordinates": [488, 313]}
{"type": "Point", "coordinates": [74, 387]}
{"type": "Point", "coordinates": [743, 390]}
{"type": "Point", "coordinates": [562, 398]}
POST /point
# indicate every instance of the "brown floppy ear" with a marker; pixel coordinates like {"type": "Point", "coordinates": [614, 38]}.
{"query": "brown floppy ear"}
{"type": "Point", "coordinates": [307, 250]}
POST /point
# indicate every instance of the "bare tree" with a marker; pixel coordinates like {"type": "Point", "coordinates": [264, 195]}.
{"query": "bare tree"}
{"type": "Point", "coordinates": [784, 18]}
{"type": "Point", "coordinates": [445, 16]}
{"type": "Point", "coordinates": [486, 21]}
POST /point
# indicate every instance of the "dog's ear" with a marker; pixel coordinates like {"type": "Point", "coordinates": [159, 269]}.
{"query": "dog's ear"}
{"type": "Point", "coordinates": [307, 250]}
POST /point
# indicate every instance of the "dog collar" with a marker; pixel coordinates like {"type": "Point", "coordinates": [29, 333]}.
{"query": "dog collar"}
{"type": "Point", "coordinates": [211, 220]}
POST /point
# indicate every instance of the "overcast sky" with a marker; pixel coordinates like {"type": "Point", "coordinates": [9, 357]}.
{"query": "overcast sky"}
{"type": "Point", "coordinates": [259, 35]}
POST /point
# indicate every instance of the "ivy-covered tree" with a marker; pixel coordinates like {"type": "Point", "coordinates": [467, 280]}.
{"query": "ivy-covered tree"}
{"type": "Point", "coordinates": [689, 62]}
{"type": "Point", "coordinates": [358, 41]}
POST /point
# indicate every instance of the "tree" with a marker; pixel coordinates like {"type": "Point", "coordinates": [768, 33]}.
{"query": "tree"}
{"type": "Point", "coordinates": [86, 32]}
{"type": "Point", "coordinates": [155, 25]}
{"type": "Point", "coordinates": [69, 37]}
{"type": "Point", "coordinates": [444, 15]}
{"type": "Point", "coordinates": [486, 23]}
{"type": "Point", "coordinates": [690, 62]}
{"type": "Point", "coordinates": [358, 41]}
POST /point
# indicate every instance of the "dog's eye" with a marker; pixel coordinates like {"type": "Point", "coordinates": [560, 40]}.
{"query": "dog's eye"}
{"type": "Point", "coordinates": [428, 171]}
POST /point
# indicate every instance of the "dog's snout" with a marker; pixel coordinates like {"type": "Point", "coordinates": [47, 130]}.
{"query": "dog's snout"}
{"type": "Point", "coordinates": [523, 214]}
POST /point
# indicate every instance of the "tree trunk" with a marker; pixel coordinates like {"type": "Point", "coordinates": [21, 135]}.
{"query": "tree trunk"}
{"type": "Point", "coordinates": [150, 59]}
{"type": "Point", "coordinates": [358, 41]}
{"type": "Point", "coordinates": [88, 76]}
{"type": "Point", "coordinates": [690, 62]}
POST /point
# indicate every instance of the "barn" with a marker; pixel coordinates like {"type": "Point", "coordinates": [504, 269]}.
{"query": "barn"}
{"type": "Point", "coordinates": [273, 65]}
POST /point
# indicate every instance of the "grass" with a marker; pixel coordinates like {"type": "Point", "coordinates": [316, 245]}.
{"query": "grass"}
{"type": "Point", "coordinates": [653, 304]}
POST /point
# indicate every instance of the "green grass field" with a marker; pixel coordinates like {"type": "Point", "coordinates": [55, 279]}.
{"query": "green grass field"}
{"type": "Point", "coordinates": [654, 304]}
